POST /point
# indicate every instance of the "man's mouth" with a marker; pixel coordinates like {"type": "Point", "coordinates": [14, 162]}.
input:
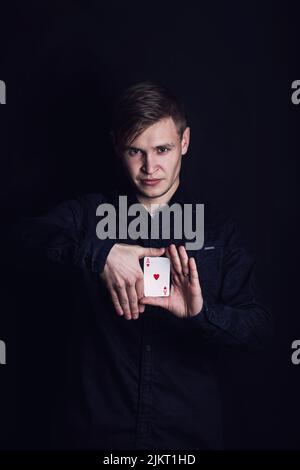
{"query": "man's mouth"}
{"type": "Point", "coordinates": [150, 182]}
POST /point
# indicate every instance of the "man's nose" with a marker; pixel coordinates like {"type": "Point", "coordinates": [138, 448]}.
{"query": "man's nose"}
{"type": "Point", "coordinates": [149, 165]}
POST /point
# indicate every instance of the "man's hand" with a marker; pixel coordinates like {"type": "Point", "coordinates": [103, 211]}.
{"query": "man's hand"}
{"type": "Point", "coordinates": [185, 299]}
{"type": "Point", "coordinates": [124, 277]}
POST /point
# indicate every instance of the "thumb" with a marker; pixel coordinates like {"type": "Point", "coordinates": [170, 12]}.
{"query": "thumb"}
{"type": "Point", "coordinates": [157, 301]}
{"type": "Point", "coordinates": [151, 252]}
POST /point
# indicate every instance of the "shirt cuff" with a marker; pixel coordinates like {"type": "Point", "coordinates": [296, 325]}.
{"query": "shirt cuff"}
{"type": "Point", "coordinates": [93, 253]}
{"type": "Point", "coordinates": [198, 319]}
{"type": "Point", "coordinates": [100, 260]}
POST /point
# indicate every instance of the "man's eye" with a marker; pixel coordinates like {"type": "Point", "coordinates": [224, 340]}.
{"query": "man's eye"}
{"type": "Point", "coordinates": [133, 152]}
{"type": "Point", "coordinates": [163, 149]}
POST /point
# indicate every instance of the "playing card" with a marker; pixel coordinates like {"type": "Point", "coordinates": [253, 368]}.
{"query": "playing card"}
{"type": "Point", "coordinates": [156, 276]}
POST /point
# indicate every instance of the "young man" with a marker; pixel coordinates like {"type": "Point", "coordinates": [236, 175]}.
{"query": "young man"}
{"type": "Point", "coordinates": [144, 378]}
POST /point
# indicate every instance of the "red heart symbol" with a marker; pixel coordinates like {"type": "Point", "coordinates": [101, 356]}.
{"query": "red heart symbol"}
{"type": "Point", "coordinates": [156, 276]}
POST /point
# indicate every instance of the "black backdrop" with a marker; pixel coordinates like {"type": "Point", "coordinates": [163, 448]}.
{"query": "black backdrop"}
{"type": "Point", "coordinates": [233, 64]}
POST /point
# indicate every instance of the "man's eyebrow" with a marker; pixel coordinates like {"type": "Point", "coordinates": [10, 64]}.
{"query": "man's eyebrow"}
{"type": "Point", "coordinates": [134, 147]}
{"type": "Point", "coordinates": [165, 145]}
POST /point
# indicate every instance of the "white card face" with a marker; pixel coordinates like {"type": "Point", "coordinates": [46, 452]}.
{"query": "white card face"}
{"type": "Point", "coordinates": [156, 276]}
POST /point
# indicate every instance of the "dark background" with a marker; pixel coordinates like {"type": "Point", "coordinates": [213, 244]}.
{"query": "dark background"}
{"type": "Point", "coordinates": [232, 63]}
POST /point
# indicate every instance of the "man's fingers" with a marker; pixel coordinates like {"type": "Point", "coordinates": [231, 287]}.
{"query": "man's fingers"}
{"type": "Point", "coordinates": [123, 300]}
{"type": "Point", "coordinates": [184, 259]}
{"type": "Point", "coordinates": [175, 259]}
{"type": "Point", "coordinates": [168, 255]}
{"type": "Point", "coordinates": [133, 301]}
{"type": "Point", "coordinates": [194, 277]}
{"type": "Point", "coordinates": [140, 293]}
{"type": "Point", "coordinates": [116, 303]}
{"type": "Point", "coordinates": [151, 252]}
{"type": "Point", "coordinates": [174, 276]}
{"type": "Point", "coordinates": [157, 301]}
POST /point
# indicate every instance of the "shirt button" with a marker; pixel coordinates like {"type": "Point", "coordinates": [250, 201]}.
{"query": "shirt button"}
{"type": "Point", "coordinates": [148, 347]}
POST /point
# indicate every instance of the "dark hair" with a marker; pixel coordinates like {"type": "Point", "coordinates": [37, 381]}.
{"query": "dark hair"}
{"type": "Point", "coordinates": [140, 106]}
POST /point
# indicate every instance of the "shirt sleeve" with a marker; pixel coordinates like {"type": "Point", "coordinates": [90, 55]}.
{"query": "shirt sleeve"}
{"type": "Point", "coordinates": [237, 318]}
{"type": "Point", "coordinates": [62, 235]}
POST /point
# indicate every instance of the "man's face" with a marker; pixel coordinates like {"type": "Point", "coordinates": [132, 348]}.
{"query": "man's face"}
{"type": "Point", "coordinates": [153, 159]}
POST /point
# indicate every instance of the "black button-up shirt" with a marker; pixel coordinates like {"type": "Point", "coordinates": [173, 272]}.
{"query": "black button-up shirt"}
{"type": "Point", "coordinates": [149, 383]}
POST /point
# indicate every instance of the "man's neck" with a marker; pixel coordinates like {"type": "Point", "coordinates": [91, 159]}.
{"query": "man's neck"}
{"type": "Point", "coordinates": [158, 201]}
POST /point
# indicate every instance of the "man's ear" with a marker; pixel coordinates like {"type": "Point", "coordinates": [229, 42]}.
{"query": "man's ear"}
{"type": "Point", "coordinates": [185, 141]}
